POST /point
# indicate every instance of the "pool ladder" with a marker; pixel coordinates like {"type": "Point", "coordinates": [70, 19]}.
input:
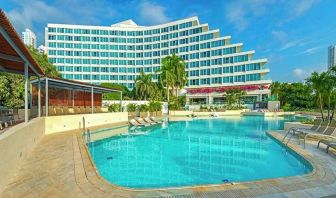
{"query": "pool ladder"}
{"type": "Point", "coordinates": [86, 133]}
{"type": "Point", "coordinates": [290, 136]}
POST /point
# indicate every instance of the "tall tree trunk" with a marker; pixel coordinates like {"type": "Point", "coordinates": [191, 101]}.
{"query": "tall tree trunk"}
{"type": "Point", "coordinates": [321, 106]}
{"type": "Point", "coordinates": [329, 106]}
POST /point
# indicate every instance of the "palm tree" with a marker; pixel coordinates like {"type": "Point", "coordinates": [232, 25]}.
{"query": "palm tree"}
{"type": "Point", "coordinates": [173, 74]}
{"type": "Point", "coordinates": [317, 82]}
{"type": "Point", "coordinates": [144, 86]}
{"type": "Point", "coordinates": [276, 89]}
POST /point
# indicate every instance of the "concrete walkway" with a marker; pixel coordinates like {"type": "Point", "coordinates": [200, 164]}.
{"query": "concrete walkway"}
{"type": "Point", "coordinates": [59, 166]}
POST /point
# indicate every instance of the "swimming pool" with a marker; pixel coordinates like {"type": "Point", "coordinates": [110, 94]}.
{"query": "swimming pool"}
{"type": "Point", "coordinates": [197, 152]}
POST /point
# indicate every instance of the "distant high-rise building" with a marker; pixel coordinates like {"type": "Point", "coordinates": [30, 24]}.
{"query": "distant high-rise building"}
{"type": "Point", "coordinates": [331, 56]}
{"type": "Point", "coordinates": [29, 37]}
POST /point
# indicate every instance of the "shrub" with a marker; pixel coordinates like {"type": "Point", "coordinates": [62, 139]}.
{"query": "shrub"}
{"type": "Point", "coordinates": [154, 106]}
{"type": "Point", "coordinates": [287, 107]}
{"type": "Point", "coordinates": [114, 108]}
{"type": "Point", "coordinates": [143, 108]}
{"type": "Point", "coordinates": [131, 107]}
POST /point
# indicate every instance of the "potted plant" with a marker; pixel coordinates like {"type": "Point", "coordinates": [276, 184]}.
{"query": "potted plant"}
{"type": "Point", "coordinates": [131, 109]}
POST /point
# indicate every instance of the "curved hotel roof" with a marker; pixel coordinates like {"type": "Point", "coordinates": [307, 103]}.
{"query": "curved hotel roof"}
{"type": "Point", "coordinates": [117, 53]}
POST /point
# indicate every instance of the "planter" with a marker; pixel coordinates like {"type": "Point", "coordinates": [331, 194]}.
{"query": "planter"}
{"type": "Point", "coordinates": [131, 114]}
{"type": "Point", "coordinates": [143, 114]}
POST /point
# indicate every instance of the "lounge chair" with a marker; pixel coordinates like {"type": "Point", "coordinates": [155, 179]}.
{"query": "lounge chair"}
{"type": "Point", "coordinates": [76, 110]}
{"type": "Point", "coordinates": [66, 110]}
{"type": "Point", "coordinates": [155, 120]}
{"type": "Point", "coordinates": [149, 121]}
{"type": "Point", "coordinates": [328, 143]}
{"type": "Point", "coordinates": [141, 121]}
{"type": "Point", "coordinates": [59, 111]}
{"type": "Point", "coordinates": [325, 130]}
{"type": "Point", "coordinates": [133, 122]}
{"type": "Point", "coordinates": [296, 130]}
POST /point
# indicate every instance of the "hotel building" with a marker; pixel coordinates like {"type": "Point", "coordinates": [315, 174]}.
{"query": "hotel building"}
{"type": "Point", "coordinates": [117, 53]}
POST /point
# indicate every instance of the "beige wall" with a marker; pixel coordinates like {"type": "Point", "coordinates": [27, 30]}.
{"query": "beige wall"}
{"type": "Point", "coordinates": [55, 124]}
{"type": "Point", "coordinates": [15, 144]}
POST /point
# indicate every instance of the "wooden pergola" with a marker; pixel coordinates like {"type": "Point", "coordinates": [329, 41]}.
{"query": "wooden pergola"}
{"type": "Point", "coordinates": [62, 92]}
{"type": "Point", "coordinates": [15, 57]}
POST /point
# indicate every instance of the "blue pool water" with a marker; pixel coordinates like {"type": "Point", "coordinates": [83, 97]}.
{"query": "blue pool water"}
{"type": "Point", "coordinates": [197, 152]}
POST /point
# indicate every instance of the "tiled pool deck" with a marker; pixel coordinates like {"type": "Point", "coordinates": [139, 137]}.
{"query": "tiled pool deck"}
{"type": "Point", "coordinates": [59, 166]}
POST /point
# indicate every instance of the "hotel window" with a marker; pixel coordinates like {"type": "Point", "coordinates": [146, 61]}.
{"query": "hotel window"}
{"type": "Point", "coordinates": [130, 33]}
{"type": "Point", "coordinates": [86, 69]}
{"type": "Point", "coordinates": [184, 49]}
{"type": "Point", "coordinates": [194, 39]}
{"type": "Point", "coordinates": [78, 76]}
{"type": "Point", "coordinates": [148, 39]}
{"type": "Point", "coordinates": [104, 77]}
{"type": "Point", "coordinates": [205, 54]}
{"type": "Point", "coordinates": [60, 52]}
{"type": "Point", "coordinates": [173, 43]}
{"type": "Point", "coordinates": [147, 47]}
{"type": "Point", "coordinates": [69, 45]}
{"type": "Point", "coordinates": [165, 44]}
{"type": "Point", "coordinates": [156, 38]}
{"type": "Point", "coordinates": [139, 62]}
{"type": "Point", "coordinates": [216, 71]}
{"type": "Point", "coordinates": [205, 72]}
{"type": "Point", "coordinates": [205, 45]}
{"type": "Point", "coordinates": [185, 57]}
{"type": "Point", "coordinates": [217, 43]}
{"type": "Point", "coordinates": [52, 52]}
{"type": "Point", "coordinates": [113, 77]}
{"type": "Point", "coordinates": [175, 51]}
{"type": "Point", "coordinates": [205, 81]}
{"type": "Point", "coordinates": [139, 47]}
{"type": "Point", "coordinates": [240, 78]}
{"type": "Point", "coordinates": [164, 52]}
{"type": "Point", "coordinates": [156, 31]}
{"type": "Point", "coordinates": [77, 61]}
{"type": "Point", "coordinates": [206, 37]}
{"type": "Point", "coordinates": [86, 77]}
{"type": "Point", "coordinates": [77, 69]}
{"type": "Point", "coordinates": [114, 69]}
{"type": "Point", "coordinates": [50, 29]}
{"type": "Point", "coordinates": [173, 35]}
{"type": "Point", "coordinates": [173, 28]}
{"type": "Point", "coordinates": [216, 80]}
{"type": "Point", "coordinates": [148, 54]}
{"type": "Point", "coordinates": [195, 31]}
{"type": "Point", "coordinates": [163, 30]}
{"type": "Point", "coordinates": [216, 52]}
{"type": "Point", "coordinates": [194, 56]}
{"type": "Point", "coordinates": [194, 47]}
{"type": "Point", "coordinates": [60, 68]}
{"type": "Point", "coordinates": [86, 46]}
{"type": "Point", "coordinates": [164, 37]}
{"type": "Point", "coordinates": [185, 25]}
{"type": "Point", "coordinates": [139, 33]}
{"type": "Point", "coordinates": [69, 68]}
{"type": "Point", "coordinates": [147, 32]}
{"type": "Point", "coordinates": [52, 44]}
{"type": "Point", "coordinates": [60, 30]}
{"type": "Point", "coordinates": [68, 38]}
{"type": "Point", "coordinates": [183, 41]}
{"type": "Point", "coordinates": [95, 77]}
{"type": "Point", "coordinates": [69, 60]}
{"type": "Point", "coordinates": [78, 46]}
{"type": "Point", "coordinates": [156, 46]}
{"type": "Point", "coordinates": [52, 37]}
{"type": "Point", "coordinates": [194, 82]}
{"type": "Point", "coordinates": [139, 55]}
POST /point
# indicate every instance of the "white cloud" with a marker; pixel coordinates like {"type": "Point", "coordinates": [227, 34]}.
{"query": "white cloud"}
{"type": "Point", "coordinates": [36, 14]}
{"type": "Point", "coordinates": [301, 6]}
{"type": "Point", "coordinates": [279, 35]}
{"type": "Point", "coordinates": [300, 74]}
{"type": "Point", "coordinates": [241, 12]}
{"type": "Point", "coordinates": [312, 50]}
{"type": "Point", "coordinates": [292, 44]}
{"type": "Point", "coordinates": [151, 13]}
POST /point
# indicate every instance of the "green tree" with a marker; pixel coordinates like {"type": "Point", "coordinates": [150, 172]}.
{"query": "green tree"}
{"type": "Point", "coordinates": [116, 95]}
{"type": "Point", "coordinates": [42, 59]}
{"type": "Point", "coordinates": [323, 85]}
{"type": "Point", "coordinates": [144, 86]}
{"type": "Point", "coordinates": [173, 74]}
{"type": "Point", "coordinates": [12, 85]}
{"type": "Point", "coordinates": [276, 89]}
{"type": "Point", "coordinates": [234, 97]}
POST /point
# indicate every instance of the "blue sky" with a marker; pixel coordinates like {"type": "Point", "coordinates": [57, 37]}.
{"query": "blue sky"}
{"type": "Point", "coordinates": [292, 34]}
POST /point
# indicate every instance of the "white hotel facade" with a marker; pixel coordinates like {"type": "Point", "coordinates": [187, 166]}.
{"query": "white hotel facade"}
{"type": "Point", "coordinates": [117, 54]}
